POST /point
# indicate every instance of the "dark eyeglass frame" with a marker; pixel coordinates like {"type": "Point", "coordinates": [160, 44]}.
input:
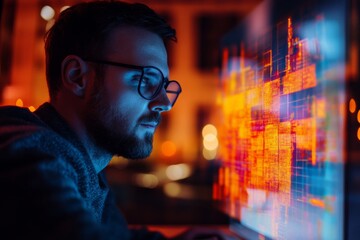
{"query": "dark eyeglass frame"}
{"type": "Point", "coordinates": [165, 81]}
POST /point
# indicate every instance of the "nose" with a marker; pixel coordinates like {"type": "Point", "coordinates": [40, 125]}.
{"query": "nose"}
{"type": "Point", "coordinates": [161, 102]}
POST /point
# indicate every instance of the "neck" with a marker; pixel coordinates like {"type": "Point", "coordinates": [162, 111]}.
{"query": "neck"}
{"type": "Point", "coordinates": [99, 156]}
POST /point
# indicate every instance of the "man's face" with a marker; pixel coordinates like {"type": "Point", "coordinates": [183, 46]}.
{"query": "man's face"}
{"type": "Point", "coordinates": [116, 116]}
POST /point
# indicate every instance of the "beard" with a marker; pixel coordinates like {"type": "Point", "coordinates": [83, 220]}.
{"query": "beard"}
{"type": "Point", "coordinates": [109, 129]}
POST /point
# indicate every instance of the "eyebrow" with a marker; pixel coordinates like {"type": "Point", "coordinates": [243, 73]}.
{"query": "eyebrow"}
{"type": "Point", "coordinates": [151, 72]}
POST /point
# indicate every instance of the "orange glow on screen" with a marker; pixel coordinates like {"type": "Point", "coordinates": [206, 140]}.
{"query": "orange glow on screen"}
{"type": "Point", "coordinates": [317, 202]}
{"type": "Point", "coordinates": [280, 129]}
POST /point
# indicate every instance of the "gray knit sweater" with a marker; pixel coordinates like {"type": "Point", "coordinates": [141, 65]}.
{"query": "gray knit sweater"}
{"type": "Point", "coordinates": [49, 187]}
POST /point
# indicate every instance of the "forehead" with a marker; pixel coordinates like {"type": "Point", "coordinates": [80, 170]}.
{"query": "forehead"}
{"type": "Point", "coordinates": [137, 46]}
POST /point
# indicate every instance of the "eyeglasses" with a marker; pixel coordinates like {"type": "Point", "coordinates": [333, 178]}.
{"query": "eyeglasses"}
{"type": "Point", "coordinates": [150, 82]}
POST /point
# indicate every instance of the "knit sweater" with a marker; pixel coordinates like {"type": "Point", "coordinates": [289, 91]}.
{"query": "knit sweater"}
{"type": "Point", "coordinates": [49, 186]}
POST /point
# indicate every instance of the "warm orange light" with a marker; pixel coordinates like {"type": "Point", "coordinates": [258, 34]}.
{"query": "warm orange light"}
{"type": "Point", "coordinates": [210, 142]}
{"type": "Point", "coordinates": [275, 123]}
{"type": "Point", "coordinates": [300, 79]}
{"type": "Point", "coordinates": [168, 148]}
{"type": "Point", "coordinates": [320, 106]}
{"type": "Point", "coordinates": [146, 180]}
{"type": "Point", "coordinates": [289, 42]}
{"type": "Point", "coordinates": [352, 105]}
{"type": "Point", "coordinates": [172, 189]}
{"type": "Point", "coordinates": [178, 171]}
{"type": "Point", "coordinates": [209, 154]}
{"type": "Point", "coordinates": [358, 116]}
{"type": "Point", "coordinates": [317, 202]}
{"type": "Point", "coordinates": [19, 103]}
{"type": "Point", "coordinates": [358, 133]}
{"type": "Point", "coordinates": [209, 128]}
{"type": "Point", "coordinates": [64, 8]}
{"type": "Point", "coordinates": [32, 108]}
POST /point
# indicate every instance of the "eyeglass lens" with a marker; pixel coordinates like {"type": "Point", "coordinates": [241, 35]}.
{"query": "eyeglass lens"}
{"type": "Point", "coordinates": [151, 84]}
{"type": "Point", "coordinates": [172, 91]}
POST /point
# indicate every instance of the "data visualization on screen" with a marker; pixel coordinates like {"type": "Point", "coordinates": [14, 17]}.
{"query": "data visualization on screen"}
{"type": "Point", "coordinates": [282, 96]}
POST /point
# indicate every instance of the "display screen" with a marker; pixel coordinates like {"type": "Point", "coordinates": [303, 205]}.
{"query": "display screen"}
{"type": "Point", "coordinates": [282, 103]}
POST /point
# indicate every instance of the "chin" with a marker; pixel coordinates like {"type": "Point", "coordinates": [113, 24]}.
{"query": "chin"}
{"type": "Point", "coordinates": [133, 148]}
{"type": "Point", "coordinates": [139, 154]}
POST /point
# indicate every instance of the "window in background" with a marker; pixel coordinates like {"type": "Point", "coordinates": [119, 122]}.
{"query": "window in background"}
{"type": "Point", "coordinates": [7, 10]}
{"type": "Point", "coordinates": [211, 27]}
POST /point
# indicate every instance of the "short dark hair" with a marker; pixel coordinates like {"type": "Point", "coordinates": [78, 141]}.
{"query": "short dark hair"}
{"type": "Point", "coordinates": [83, 29]}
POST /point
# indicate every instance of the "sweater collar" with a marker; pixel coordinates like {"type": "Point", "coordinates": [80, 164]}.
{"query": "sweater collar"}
{"type": "Point", "coordinates": [48, 114]}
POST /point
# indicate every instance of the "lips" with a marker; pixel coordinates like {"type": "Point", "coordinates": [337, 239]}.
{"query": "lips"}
{"type": "Point", "coordinates": [151, 120]}
{"type": "Point", "coordinates": [150, 124]}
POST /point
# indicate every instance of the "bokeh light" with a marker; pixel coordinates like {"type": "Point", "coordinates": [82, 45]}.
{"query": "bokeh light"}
{"type": "Point", "coordinates": [172, 189]}
{"type": "Point", "coordinates": [168, 148]}
{"type": "Point", "coordinates": [146, 180]}
{"type": "Point", "coordinates": [210, 142]}
{"type": "Point", "coordinates": [209, 129]}
{"type": "Point", "coordinates": [352, 105]}
{"type": "Point", "coordinates": [209, 154]}
{"type": "Point", "coordinates": [178, 171]}
{"type": "Point", "coordinates": [64, 8]}
{"type": "Point", "coordinates": [32, 108]}
{"type": "Point", "coordinates": [47, 13]}
{"type": "Point", "coordinates": [19, 102]}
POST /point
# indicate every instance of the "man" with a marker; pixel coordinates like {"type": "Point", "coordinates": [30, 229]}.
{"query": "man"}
{"type": "Point", "coordinates": [107, 74]}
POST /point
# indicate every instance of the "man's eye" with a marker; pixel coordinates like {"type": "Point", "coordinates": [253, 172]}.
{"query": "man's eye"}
{"type": "Point", "coordinates": [144, 82]}
{"type": "Point", "coordinates": [148, 81]}
{"type": "Point", "coordinates": [135, 79]}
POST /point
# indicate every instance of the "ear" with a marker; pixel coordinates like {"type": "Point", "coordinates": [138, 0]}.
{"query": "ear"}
{"type": "Point", "coordinates": [73, 74]}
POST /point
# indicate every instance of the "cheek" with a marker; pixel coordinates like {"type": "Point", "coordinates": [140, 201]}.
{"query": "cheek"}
{"type": "Point", "coordinates": [127, 100]}
{"type": "Point", "coordinates": [127, 106]}
{"type": "Point", "coordinates": [118, 94]}
{"type": "Point", "coordinates": [124, 101]}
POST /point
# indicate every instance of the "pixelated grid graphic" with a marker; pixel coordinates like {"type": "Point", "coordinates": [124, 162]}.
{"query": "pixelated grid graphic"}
{"type": "Point", "coordinates": [281, 133]}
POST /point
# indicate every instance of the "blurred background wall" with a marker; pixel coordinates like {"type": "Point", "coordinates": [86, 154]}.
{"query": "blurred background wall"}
{"type": "Point", "coordinates": [174, 184]}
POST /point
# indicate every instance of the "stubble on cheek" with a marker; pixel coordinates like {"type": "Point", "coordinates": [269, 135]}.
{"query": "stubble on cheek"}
{"type": "Point", "coordinates": [115, 127]}
{"type": "Point", "coordinates": [113, 131]}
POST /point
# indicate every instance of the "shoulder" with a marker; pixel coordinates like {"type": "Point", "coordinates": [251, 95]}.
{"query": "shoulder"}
{"type": "Point", "coordinates": [13, 110]}
{"type": "Point", "coordinates": [25, 139]}
{"type": "Point", "coordinates": [7, 112]}
{"type": "Point", "coordinates": [19, 125]}
{"type": "Point", "coordinates": [33, 156]}
{"type": "Point", "coordinates": [16, 120]}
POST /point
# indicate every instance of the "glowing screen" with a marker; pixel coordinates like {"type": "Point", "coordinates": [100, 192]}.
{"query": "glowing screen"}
{"type": "Point", "coordinates": [281, 132]}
